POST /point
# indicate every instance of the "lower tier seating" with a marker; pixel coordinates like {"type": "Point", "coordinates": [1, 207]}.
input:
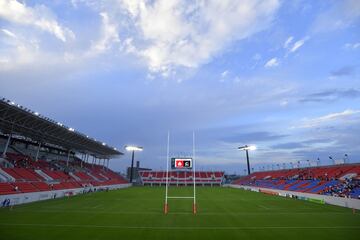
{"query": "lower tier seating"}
{"type": "Point", "coordinates": [181, 177]}
{"type": "Point", "coordinates": [339, 180]}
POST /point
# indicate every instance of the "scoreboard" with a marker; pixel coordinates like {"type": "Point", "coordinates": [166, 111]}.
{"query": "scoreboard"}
{"type": "Point", "coordinates": [181, 163]}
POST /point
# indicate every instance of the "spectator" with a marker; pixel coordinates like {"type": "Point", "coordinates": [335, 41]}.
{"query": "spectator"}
{"type": "Point", "coordinates": [3, 204]}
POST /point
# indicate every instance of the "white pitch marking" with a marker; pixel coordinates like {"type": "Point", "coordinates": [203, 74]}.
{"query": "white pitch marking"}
{"type": "Point", "coordinates": [178, 228]}
{"type": "Point", "coordinates": [264, 207]}
{"type": "Point", "coordinates": [176, 213]}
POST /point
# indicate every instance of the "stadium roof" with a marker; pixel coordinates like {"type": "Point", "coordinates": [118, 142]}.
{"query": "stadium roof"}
{"type": "Point", "coordinates": [20, 120]}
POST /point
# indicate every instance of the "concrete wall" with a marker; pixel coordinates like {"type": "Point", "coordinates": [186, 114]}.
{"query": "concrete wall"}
{"type": "Point", "coordinates": [22, 198]}
{"type": "Point", "coordinates": [338, 201]}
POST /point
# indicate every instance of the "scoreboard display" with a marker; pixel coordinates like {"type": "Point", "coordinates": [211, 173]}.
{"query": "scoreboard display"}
{"type": "Point", "coordinates": [181, 163]}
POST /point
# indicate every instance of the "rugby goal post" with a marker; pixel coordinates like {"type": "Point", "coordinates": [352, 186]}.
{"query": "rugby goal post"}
{"type": "Point", "coordinates": [180, 163]}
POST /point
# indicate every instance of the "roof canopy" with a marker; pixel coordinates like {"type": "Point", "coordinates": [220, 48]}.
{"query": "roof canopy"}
{"type": "Point", "coordinates": [20, 120]}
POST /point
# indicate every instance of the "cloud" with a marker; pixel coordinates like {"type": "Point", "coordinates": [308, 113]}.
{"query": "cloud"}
{"type": "Point", "coordinates": [16, 50]}
{"type": "Point", "coordinates": [340, 16]}
{"type": "Point", "coordinates": [288, 41]}
{"type": "Point", "coordinates": [8, 33]}
{"type": "Point", "coordinates": [109, 35]}
{"type": "Point", "coordinates": [331, 95]}
{"type": "Point", "coordinates": [343, 71]}
{"type": "Point", "coordinates": [224, 74]}
{"type": "Point", "coordinates": [289, 145]}
{"type": "Point", "coordinates": [38, 16]}
{"type": "Point", "coordinates": [307, 144]}
{"type": "Point", "coordinates": [170, 34]}
{"type": "Point", "coordinates": [352, 46]}
{"type": "Point", "coordinates": [298, 44]}
{"type": "Point", "coordinates": [272, 63]}
{"type": "Point", "coordinates": [249, 137]}
{"type": "Point", "coordinates": [332, 117]}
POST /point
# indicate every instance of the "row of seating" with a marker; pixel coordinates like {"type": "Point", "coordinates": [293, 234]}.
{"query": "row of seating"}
{"type": "Point", "coordinates": [181, 177]}
{"type": "Point", "coordinates": [31, 176]}
{"type": "Point", "coordinates": [319, 180]}
{"type": "Point", "coordinates": [23, 174]}
{"type": "Point", "coordinates": [322, 173]}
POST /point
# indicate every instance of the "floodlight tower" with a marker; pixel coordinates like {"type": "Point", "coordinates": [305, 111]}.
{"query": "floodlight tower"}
{"type": "Point", "coordinates": [246, 148]}
{"type": "Point", "coordinates": [132, 149]}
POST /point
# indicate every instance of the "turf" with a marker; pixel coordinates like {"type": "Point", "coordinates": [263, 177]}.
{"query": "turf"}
{"type": "Point", "coordinates": [136, 213]}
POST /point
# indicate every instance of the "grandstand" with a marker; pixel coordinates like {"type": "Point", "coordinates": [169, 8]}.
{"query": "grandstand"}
{"type": "Point", "coordinates": [336, 180]}
{"type": "Point", "coordinates": [182, 178]}
{"type": "Point", "coordinates": [40, 155]}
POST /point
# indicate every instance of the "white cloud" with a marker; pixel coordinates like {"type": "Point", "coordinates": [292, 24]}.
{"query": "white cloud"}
{"type": "Point", "coordinates": [315, 122]}
{"type": "Point", "coordinates": [169, 34]}
{"type": "Point", "coordinates": [224, 73]}
{"type": "Point", "coordinates": [272, 63]}
{"type": "Point", "coordinates": [284, 103]}
{"type": "Point", "coordinates": [341, 15]}
{"type": "Point", "coordinates": [288, 41]}
{"type": "Point", "coordinates": [17, 50]}
{"type": "Point", "coordinates": [352, 45]}
{"type": "Point", "coordinates": [8, 33]}
{"type": "Point", "coordinates": [109, 35]}
{"type": "Point", "coordinates": [298, 44]}
{"type": "Point", "coordinates": [38, 16]}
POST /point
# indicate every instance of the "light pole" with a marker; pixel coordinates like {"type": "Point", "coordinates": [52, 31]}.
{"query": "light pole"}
{"type": "Point", "coordinates": [132, 149]}
{"type": "Point", "coordinates": [246, 148]}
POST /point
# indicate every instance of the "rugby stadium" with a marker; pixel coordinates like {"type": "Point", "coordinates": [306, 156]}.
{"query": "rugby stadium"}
{"type": "Point", "coordinates": [179, 119]}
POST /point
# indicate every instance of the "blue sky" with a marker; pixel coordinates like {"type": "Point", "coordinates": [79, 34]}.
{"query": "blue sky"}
{"type": "Point", "coordinates": [283, 75]}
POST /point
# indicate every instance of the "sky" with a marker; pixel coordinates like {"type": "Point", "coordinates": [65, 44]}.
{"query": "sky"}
{"type": "Point", "coordinates": [281, 75]}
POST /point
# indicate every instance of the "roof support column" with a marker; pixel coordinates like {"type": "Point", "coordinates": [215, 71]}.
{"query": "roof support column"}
{"type": "Point", "coordinates": [7, 145]}
{"type": "Point", "coordinates": [103, 163]}
{"type": "Point", "coordinates": [37, 152]}
{"type": "Point", "coordinates": [81, 160]}
{"type": "Point", "coordinates": [68, 157]}
{"type": "Point", "coordinates": [87, 158]}
{"type": "Point", "coordinates": [94, 161]}
{"type": "Point", "coordinates": [108, 163]}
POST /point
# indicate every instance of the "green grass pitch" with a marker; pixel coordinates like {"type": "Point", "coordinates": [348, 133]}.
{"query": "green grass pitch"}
{"type": "Point", "coordinates": [137, 213]}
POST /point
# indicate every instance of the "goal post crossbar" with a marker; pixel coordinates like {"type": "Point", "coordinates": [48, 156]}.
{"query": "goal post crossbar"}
{"type": "Point", "coordinates": [180, 197]}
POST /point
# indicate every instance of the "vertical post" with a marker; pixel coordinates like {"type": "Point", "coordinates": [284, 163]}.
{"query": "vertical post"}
{"type": "Point", "coordinates": [108, 163]}
{"type": "Point", "coordinates": [166, 207]}
{"type": "Point", "coordinates": [132, 166]}
{"type": "Point", "coordinates": [247, 160]}
{"type": "Point", "coordinates": [37, 152]}
{"type": "Point", "coordinates": [81, 160]}
{"type": "Point", "coordinates": [7, 145]}
{"type": "Point", "coordinates": [68, 157]}
{"type": "Point", "coordinates": [194, 172]}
